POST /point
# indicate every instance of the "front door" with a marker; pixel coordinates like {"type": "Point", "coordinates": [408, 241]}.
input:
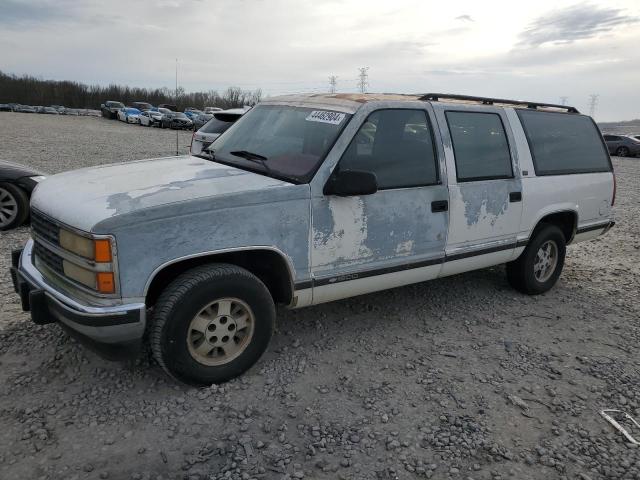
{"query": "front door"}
{"type": "Point", "coordinates": [395, 236]}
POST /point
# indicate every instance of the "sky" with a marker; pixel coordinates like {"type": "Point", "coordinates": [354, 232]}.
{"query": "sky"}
{"type": "Point", "coordinates": [540, 50]}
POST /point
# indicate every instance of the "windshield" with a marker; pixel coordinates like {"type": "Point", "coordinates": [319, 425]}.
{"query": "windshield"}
{"type": "Point", "coordinates": [294, 140]}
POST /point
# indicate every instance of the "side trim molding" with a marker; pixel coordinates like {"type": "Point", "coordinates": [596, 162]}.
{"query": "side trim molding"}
{"type": "Point", "coordinates": [597, 226]}
{"type": "Point", "coordinates": [318, 282]}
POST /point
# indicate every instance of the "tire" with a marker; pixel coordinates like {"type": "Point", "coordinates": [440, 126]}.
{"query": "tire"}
{"type": "Point", "coordinates": [14, 206]}
{"type": "Point", "coordinates": [192, 307]}
{"type": "Point", "coordinates": [524, 273]}
{"type": "Point", "coordinates": [622, 152]}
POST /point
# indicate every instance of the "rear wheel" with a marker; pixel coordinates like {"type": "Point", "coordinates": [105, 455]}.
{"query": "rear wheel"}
{"type": "Point", "coordinates": [14, 206]}
{"type": "Point", "coordinates": [538, 268]}
{"type": "Point", "coordinates": [622, 152]}
{"type": "Point", "coordinates": [211, 324]}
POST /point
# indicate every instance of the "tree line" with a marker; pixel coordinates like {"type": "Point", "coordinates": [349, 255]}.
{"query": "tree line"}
{"type": "Point", "coordinates": [29, 90]}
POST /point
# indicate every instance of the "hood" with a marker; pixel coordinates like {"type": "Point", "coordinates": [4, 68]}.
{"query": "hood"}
{"type": "Point", "coordinates": [83, 198]}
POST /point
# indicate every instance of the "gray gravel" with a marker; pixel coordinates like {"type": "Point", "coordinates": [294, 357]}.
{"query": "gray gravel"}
{"type": "Point", "coordinates": [456, 378]}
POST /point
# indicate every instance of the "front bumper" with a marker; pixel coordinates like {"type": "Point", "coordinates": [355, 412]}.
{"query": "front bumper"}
{"type": "Point", "coordinates": [114, 331]}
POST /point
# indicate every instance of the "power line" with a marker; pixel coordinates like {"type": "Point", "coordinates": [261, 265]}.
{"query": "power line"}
{"type": "Point", "coordinates": [363, 81]}
{"type": "Point", "coordinates": [333, 81]}
{"type": "Point", "coordinates": [593, 103]}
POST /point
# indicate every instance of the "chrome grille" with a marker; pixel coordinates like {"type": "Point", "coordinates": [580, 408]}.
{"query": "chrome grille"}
{"type": "Point", "coordinates": [50, 259]}
{"type": "Point", "coordinates": [44, 228]}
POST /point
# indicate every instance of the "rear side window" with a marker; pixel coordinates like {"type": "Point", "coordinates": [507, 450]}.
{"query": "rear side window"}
{"type": "Point", "coordinates": [480, 146]}
{"type": "Point", "coordinates": [397, 146]}
{"type": "Point", "coordinates": [562, 143]}
{"type": "Point", "coordinates": [219, 123]}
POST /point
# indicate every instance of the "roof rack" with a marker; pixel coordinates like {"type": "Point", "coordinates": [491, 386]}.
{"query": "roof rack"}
{"type": "Point", "coordinates": [434, 97]}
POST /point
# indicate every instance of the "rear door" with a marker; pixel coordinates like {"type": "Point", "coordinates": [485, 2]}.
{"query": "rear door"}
{"type": "Point", "coordinates": [485, 191]}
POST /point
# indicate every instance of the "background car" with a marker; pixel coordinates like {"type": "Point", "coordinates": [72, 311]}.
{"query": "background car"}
{"type": "Point", "coordinates": [192, 113]}
{"type": "Point", "coordinates": [129, 115]}
{"type": "Point", "coordinates": [110, 109]}
{"type": "Point", "coordinates": [16, 184]}
{"type": "Point", "coordinates": [175, 120]}
{"type": "Point", "coordinates": [212, 109]}
{"type": "Point", "coordinates": [200, 120]}
{"type": "Point", "coordinates": [25, 109]}
{"type": "Point", "coordinates": [150, 118]}
{"type": "Point", "coordinates": [219, 123]}
{"type": "Point", "coordinates": [168, 106]}
{"type": "Point", "coordinates": [4, 107]}
{"type": "Point", "coordinates": [622, 145]}
{"type": "Point", "coordinates": [142, 106]}
{"type": "Point", "coordinates": [49, 110]}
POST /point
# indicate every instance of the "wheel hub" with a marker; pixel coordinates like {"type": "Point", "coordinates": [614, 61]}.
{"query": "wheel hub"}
{"type": "Point", "coordinates": [221, 331]}
{"type": "Point", "coordinates": [8, 207]}
{"type": "Point", "coordinates": [546, 261]}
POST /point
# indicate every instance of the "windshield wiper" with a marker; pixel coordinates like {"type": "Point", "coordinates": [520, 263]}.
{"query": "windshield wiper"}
{"type": "Point", "coordinates": [249, 155]}
{"type": "Point", "coordinates": [254, 157]}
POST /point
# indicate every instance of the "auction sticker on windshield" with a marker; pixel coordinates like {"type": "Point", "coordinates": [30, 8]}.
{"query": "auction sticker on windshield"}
{"type": "Point", "coordinates": [324, 116]}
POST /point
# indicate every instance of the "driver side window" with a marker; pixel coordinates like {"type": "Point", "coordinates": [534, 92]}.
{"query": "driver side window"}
{"type": "Point", "coordinates": [396, 145]}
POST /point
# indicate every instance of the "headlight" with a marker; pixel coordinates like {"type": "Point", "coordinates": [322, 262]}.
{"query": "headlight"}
{"type": "Point", "coordinates": [99, 275]}
{"type": "Point", "coordinates": [77, 244]}
{"type": "Point", "coordinates": [98, 250]}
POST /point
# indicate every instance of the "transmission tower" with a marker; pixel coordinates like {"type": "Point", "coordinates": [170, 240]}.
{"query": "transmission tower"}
{"type": "Point", "coordinates": [363, 79]}
{"type": "Point", "coordinates": [564, 100]}
{"type": "Point", "coordinates": [593, 103]}
{"type": "Point", "coordinates": [333, 81]}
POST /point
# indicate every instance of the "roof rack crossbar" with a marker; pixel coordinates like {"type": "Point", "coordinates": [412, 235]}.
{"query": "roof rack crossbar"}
{"type": "Point", "coordinates": [434, 97]}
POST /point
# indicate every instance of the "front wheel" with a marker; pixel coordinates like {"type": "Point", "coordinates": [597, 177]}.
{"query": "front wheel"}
{"type": "Point", "coordinates": [14, 206]}
{"type": "Point", "coordinates": [211, 324]}
{"type": "Point", "coordinates": [538, 268]}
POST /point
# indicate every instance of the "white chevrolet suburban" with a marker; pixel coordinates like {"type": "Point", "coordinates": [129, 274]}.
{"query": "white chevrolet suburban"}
{"type": "Point", "coordinates": [304, 200]}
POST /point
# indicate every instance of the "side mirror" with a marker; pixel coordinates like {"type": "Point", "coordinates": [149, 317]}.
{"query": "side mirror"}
{"type": "Point", "coordinates": [348, 183]}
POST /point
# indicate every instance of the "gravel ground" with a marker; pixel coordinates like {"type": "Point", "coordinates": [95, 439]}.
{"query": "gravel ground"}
{"type": "Point", "coordinates": [456, 378]}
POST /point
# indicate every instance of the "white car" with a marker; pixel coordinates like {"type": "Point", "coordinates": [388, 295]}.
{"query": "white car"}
{"type": "Point", "coordinates": [211, 130]}
{"type": "Point", "coordinates": [150, 118]}
{"type": "Point", "coordinates": [129, 115]}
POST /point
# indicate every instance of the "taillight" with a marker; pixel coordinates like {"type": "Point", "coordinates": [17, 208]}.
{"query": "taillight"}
{"type": "Point", "coordinates": [613, 198]}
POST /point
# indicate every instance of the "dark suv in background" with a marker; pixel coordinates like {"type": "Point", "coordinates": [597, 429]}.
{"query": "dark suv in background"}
{"type": "Point", "coordinates": [622, 145]}
{"type": "Point", "coordinates": [110, 109]}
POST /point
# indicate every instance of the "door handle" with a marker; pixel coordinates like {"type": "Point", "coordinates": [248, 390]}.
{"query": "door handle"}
{"type": "Point", "coordinates": [515, 196]}
{"type": "Point", "coordinates": [439, 206]}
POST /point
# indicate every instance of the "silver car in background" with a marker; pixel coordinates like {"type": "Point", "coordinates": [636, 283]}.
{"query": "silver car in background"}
{"type": "Point", "coordinates": [219, 122]}
{"type": "Point", "coordinates": [150, 118]}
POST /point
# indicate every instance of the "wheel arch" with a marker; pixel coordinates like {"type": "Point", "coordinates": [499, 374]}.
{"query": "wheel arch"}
{"type": "Point", "coordinates": [269, 264]}
{"type": "Point", "coordinates": [565, 219]}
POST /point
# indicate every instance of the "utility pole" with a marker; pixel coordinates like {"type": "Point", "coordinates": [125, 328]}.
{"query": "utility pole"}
{"type": "Point", "coordinates": [563, 100]}
{"type": "Point", "coordinates": [593, 103]}
{"type": "Point", "coordinates": [363, 81]}
{"type": "Point", "coordinates": [177, 149]}
{"type": "Point", "coordinates": [333, 81]}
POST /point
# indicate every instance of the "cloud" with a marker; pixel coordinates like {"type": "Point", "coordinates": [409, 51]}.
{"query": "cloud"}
{"type": "Point", "coordinates": [573, 23]}
{"type": "Point", "coordinates": [465, 18]}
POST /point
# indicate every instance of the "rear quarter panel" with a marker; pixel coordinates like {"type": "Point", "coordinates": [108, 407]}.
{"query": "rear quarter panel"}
{"type": "Point", "coordinates": [587, 194]}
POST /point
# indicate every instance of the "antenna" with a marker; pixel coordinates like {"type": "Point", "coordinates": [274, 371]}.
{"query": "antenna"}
{"type": "Point", "coordinates": [593, 103]}
{"type": "Point", "coordinates": [177, 149]}
{"type": "Point", "coordinates": [363, 81]}
{"type": "Point", "coordinates": [564, 100]}
{"type": "Point", "coordinates": [333, 81]}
